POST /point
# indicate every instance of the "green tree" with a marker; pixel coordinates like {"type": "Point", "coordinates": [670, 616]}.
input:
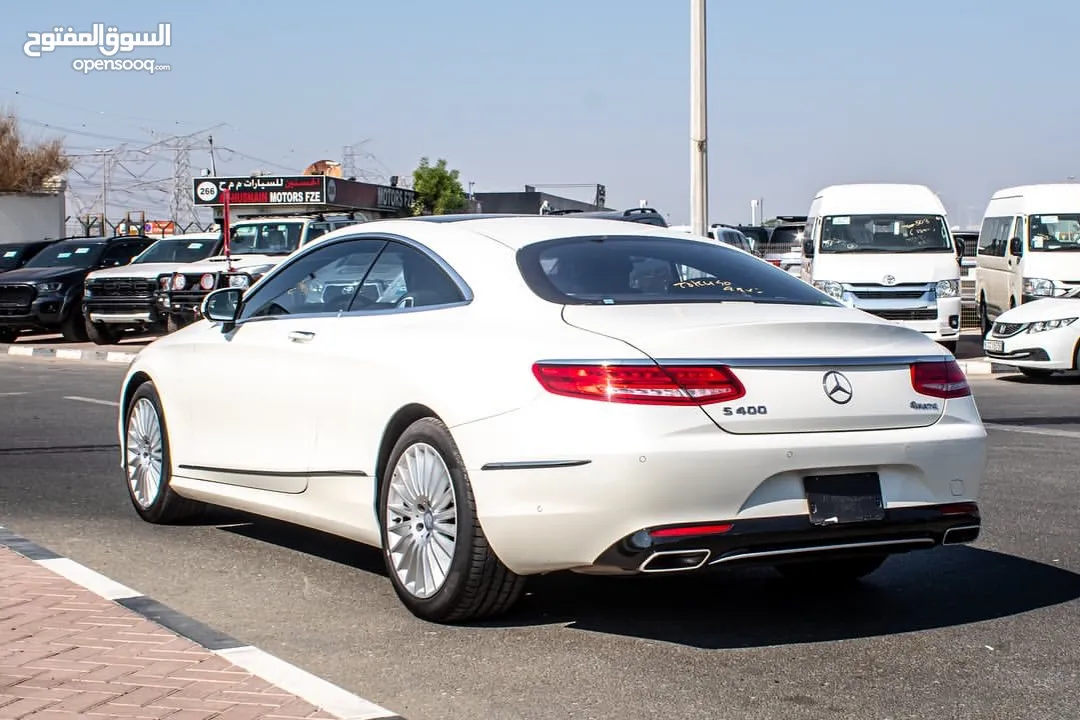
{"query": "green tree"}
{"type": "Point", "coordinates": [24, 166]}
{"type": "Point", "coordinates": [438, 189]}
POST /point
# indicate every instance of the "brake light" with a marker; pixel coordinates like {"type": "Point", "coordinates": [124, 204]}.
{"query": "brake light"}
{"type": "Point", "coordinates": [641, 384]}
{"type": "Point", "coordinates": [942, 379]}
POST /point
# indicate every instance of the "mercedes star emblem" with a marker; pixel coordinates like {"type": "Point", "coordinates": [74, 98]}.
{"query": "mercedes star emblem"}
{"type": "Point", "coordinates": [837, 387]}
{"type": "Point", "coordinates": [889, 280]}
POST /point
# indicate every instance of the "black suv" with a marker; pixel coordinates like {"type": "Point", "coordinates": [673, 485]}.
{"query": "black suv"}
{"type": "Point", "coordinates": [14, 255]}
{"type": "Point", "coordinates": [645, 215]}
{"type": "Point", "coordinates": [46, 293]}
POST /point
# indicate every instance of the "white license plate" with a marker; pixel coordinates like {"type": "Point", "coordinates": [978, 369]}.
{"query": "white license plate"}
{"type": "Point", "coordinates": [994, 345]}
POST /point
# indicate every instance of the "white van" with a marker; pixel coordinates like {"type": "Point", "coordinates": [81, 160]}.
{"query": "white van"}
{"type": "Point", "coordinates": [1029, 247]}
{"type": "Point", "coordinates": [886, 249]}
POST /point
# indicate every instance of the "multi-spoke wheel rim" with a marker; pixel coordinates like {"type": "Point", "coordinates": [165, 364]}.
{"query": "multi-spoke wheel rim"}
{"type": "Point", "coordinates": [145, 455]}
{"type": "Point", "coordinates": [421, 520]}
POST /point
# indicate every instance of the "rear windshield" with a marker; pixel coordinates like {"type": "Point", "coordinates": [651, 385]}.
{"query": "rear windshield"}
{"type": "Point", "coordinates": [785, 239]}
{"type": "Point", "coordinates": [618, 270]}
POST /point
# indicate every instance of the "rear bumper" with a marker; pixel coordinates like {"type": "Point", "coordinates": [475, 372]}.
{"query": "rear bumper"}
{"type": "Point", "coordinates": [556, 490]}
{"type": "Point", "coordinates": [794, 538]}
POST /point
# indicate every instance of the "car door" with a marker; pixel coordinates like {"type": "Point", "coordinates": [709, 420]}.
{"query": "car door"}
{"type": "Point", "coordinates": [1015, 277]}
{"type": "Point", "coordinates": [366, 354]}
{"type": "Point", "coordinates": [257, 384]}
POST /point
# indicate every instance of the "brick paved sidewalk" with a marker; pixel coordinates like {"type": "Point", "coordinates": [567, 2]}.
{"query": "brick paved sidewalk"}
{"type": "Point", "coordinates": [68, 653]}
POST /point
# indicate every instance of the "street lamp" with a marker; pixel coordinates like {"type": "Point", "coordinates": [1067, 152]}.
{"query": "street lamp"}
{"type": "Point", "coordinates": [699, 168]}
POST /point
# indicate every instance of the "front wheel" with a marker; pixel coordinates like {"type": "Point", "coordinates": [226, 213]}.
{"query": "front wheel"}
{"type": "Point", "coordinates": [100, 334]}
{"type": "Point", "coordinates": [832, 571]}
{"type": "Point", "coordinates": [984, 318]}
{"type": "Point", "coordinates": [436, 554]}
{"type": "Point", "coordinates": [8, 335]}
{"type": "Point", "coordinates": [73, 328]}
{"type": "Point", "coordinates": [147, 464]}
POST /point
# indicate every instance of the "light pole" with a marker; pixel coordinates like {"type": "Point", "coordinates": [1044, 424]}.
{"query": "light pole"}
{"type": "Point", "coordinates": [105, 152]}
{"type": "Point", "coordinates": [699, 167]}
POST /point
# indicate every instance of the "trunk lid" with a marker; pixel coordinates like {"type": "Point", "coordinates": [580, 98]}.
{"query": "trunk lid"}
{"type": "Point", "coordinates": [805, 369]}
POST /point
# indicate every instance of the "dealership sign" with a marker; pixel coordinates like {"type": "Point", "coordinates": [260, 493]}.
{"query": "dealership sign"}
{"type": "Point", "coordinates": [270, 190]}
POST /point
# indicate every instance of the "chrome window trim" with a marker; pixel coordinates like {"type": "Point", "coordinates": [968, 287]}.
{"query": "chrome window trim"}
{"type": "Point", "coordinates": [760, 362]}
{"type": "Point", "coordinates": [303, 252]}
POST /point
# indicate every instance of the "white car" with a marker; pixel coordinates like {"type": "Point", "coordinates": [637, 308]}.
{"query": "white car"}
{"type": "Point", "coordinates": [1039, 337]}
{"type": "Point", "coordinates": [488, 398]}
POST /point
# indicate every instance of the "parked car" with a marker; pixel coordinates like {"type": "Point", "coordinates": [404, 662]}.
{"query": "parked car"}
{"type": "Point", "coordinates": [784, 248]}
{"type": "Point", "coordinates": [256, 245]}
{"type": "Point", "coordinates": [46, 293]}
{"type": "Point", "coordinates": [533, 394]}
{"type": "Point", "coordinates": [14, 255]}
{"type": "Point", "coordinates": [1039, 337]}
{"type": "Point", "coordinates": [757, 234]}
{"type": "Point", "coordinates": [132, 296]}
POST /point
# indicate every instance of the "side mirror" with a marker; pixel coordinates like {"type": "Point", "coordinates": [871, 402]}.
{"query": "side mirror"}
{"type": "Point", "coordinates": [223, 306]}
{"type": "Point", "coordinates": [808, 248]}
{"type": "Point", "coordinates": [960, 247]}
{"type": "Point", "coordinates": [1016, 247]}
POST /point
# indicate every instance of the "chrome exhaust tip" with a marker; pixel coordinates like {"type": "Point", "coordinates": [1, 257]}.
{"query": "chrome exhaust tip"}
{"type": "Point", "coordinates": [960, 535]}
{"type": "Point", "coordinates": [675, 561]}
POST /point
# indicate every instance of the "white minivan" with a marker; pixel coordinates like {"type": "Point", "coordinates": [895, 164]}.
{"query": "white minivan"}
{"type": "Point", "coordinates": [1029, 248]}
{"type": "Point", "coordinates": [886, 249]}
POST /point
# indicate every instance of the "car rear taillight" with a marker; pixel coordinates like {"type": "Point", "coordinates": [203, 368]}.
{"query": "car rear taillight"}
{"type": "Point", "coordinates": [690, 531]}
{"type": "Point", "coordinates": [941, 379]}
{"type": "Point", "coordinates": [641, 384]}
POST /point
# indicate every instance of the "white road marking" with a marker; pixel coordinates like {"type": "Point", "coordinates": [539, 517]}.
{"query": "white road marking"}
{"type": "Point", "coordinates": [68, 354]}
{"type": "Point", "coordinates": [9, 394]}
{"type": "Point", "coordinates": [93, 401]}
{"type": "Point", "coordinates": [1033, 430]}
{"type": "Point", "coordinates": [303, 684]}
{"type": "Point", "coordinates": [93, 581]}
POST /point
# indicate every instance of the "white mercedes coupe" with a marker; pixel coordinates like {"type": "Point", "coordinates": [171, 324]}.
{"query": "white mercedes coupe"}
{"type": "Point", "coordinates": [487, 397]}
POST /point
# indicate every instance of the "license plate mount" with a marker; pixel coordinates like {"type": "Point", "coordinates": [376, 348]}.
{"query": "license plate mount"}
{"type": "Point", "coordinates": [844, 499]}
{"type": "Point", "coordinates": [994, 345]}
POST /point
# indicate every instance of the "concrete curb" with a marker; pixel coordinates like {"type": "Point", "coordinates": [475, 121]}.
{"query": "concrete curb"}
{"type": "Point", "coordinates": [62, 353]}
{"type": "Point", "coordinates": [318, 692]}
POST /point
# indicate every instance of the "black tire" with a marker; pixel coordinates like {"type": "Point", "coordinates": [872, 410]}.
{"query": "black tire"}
{"type": "Point", "coordinates": [100, 334]}
{"type": "Point", "coordinates": [167, 507]}
{"type": "Point", "coordinates": [1036, 373]}
{"type": "Point", "coordinates": [477, 585]}
{"type": "Point", "coordinates": [172, 324]}
{"type": "Point", "coordinates": [73, 328]}
{"type": "Point", "coordinates": [8, 335]}
{"type": "Point", "coordinates": [950, 345]}
{"type": "Point", "coordinates": [840, 570]}
{"type": "Point", "coordinates": [984, 318]}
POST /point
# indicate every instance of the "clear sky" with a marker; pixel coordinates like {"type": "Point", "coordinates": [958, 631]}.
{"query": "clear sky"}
{"type": "Point", "coordinates": [965, 96]}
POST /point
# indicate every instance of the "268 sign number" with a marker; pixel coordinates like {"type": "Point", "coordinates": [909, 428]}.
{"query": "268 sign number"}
{"type": "Point", "coordinates": [747, 410]}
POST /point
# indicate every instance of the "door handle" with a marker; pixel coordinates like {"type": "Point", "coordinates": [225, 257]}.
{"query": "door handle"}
{"type": "Point", "coordinates": [301, 336]}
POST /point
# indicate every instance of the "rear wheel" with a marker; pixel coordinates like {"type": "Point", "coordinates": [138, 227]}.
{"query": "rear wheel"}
{"type": "Point", "coordinates": [147, 464]}
{"type": "Point", "coordinates": [830, 571]}
{"type": "Point", "coordinates": [100, 334]}
{"type": "Point", "coordinates": [8, 335]}
{"type": "Point", "coordinates": [436, 554]}
{"type": "Point", "coordinates": [984, 317]}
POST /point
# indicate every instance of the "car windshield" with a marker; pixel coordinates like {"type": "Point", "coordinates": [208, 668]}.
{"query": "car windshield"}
{"type": "Point", "coordinates": [177, 250]}
{"type": "Point", "coordinates": [614, 270]}
{"type": "Point", "coordinates": [265, 238]}
{"type": "Point", "coordinates": [885, 234]}
{"type": "Point", "coordinates": [1054, 233]}
{"type": "Point", "coordinates": [68, 254]}
{"type": "Point", "coordinates": [10, 256]}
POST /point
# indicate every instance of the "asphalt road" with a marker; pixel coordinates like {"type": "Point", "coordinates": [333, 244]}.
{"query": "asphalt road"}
{"type": "Point", "coordinates": [988, 631]}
